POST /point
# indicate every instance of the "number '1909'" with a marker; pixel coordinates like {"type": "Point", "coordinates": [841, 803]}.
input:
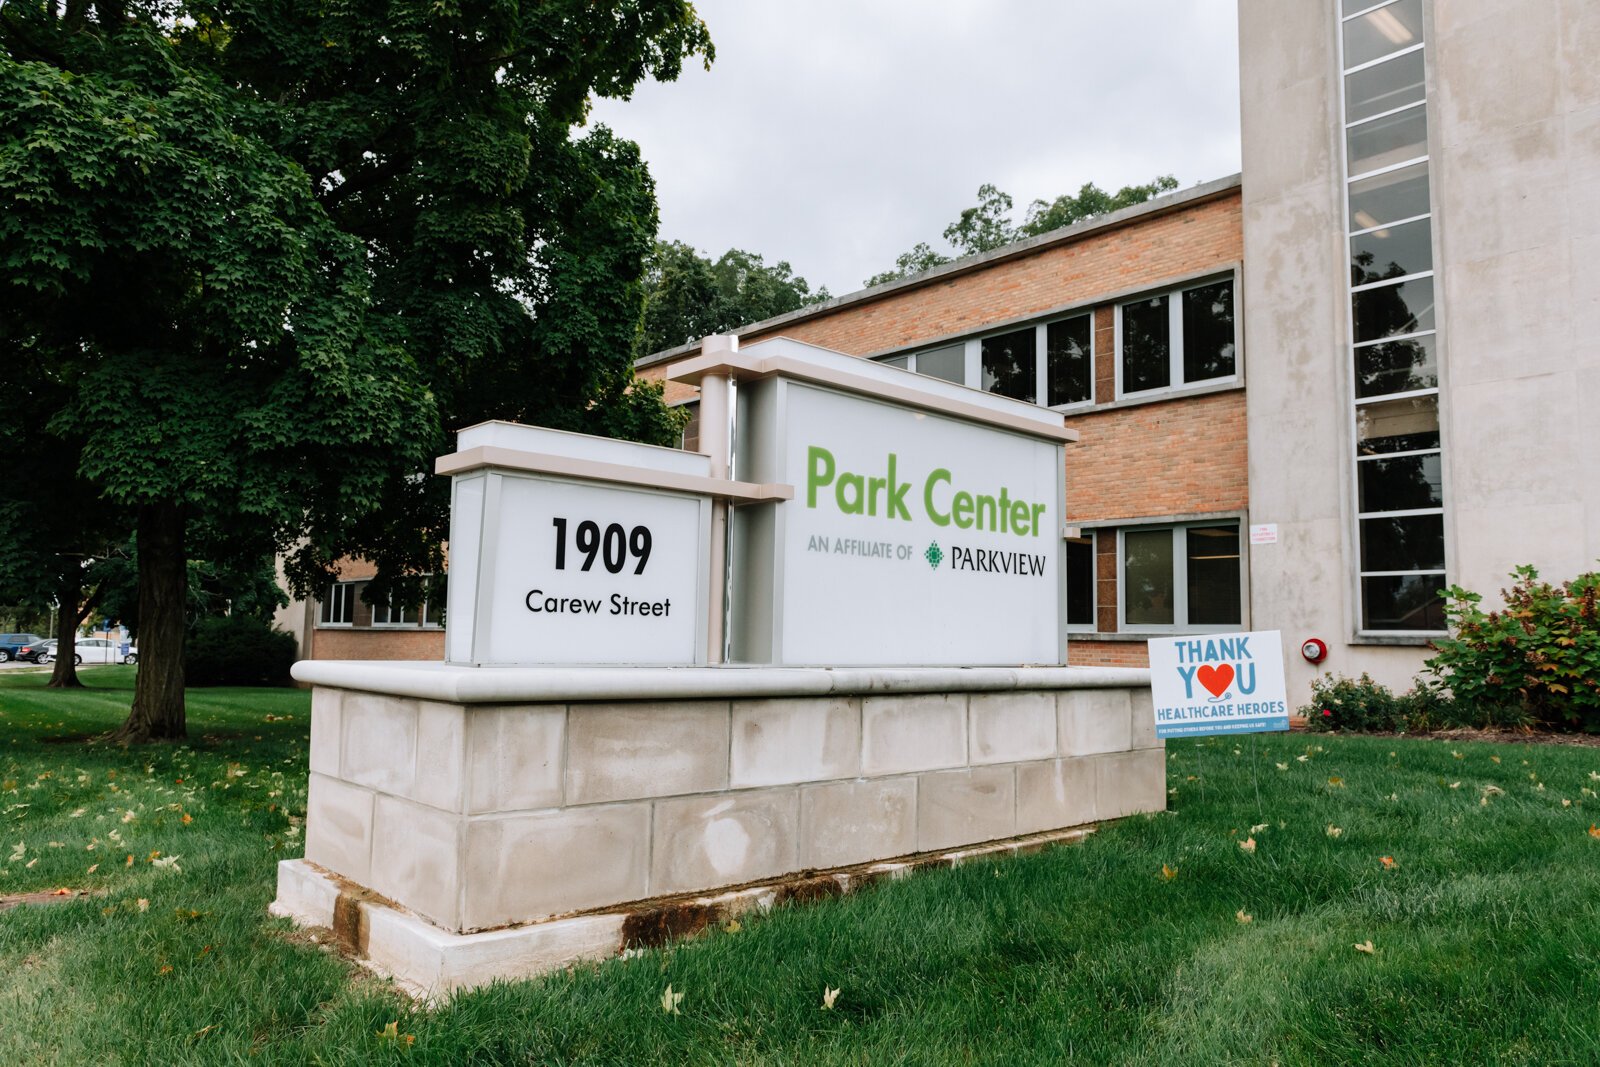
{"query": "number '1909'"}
{"type": "Point", "coordinates": [613, 547]}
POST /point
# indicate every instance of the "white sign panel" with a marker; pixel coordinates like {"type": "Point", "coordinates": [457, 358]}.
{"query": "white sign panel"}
{"type": "Point", "coordinates": [1265, 533]}
{"type": "Point", "coordinates": [584, 573]}
{"type": "Point", "coordinates": [915, 539]}
{"type": "Point", "coordinates": [1218, 684]}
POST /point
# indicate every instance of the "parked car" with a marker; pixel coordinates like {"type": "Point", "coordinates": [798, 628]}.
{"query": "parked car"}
{"type": "Point", "coordinates": [10, 644]}
{"type": "Point", "coordinates": [96, 650]}
{"type": "Point", "coordinates": [37, 651]}
{"type": "Point", "coordinates": [132, 655]}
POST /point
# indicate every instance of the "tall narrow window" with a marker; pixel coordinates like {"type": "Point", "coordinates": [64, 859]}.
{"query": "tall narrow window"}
{"type": "Point", "coordinates": [1080, 581]}
{"type": "Point", "coordinates": [1184, 337]}
{"type": "Point", "coordinates": [1399, 486]}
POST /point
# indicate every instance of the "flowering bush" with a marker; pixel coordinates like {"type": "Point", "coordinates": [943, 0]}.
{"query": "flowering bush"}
{"type": "Point", "coordinates": [1353, 704]}
{"type": "Point", "coordinates": [1539, 655]}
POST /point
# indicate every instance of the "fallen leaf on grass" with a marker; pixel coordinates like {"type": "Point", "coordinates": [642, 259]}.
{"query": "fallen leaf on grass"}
{"type": "Point", "coordinates": [670, 1002]}
{"type": "Point", "coordinates": [1366, 946]}
{"type": "Point", "coordinates": [828, 997]}
{"type": "Point", "coordinates": [128, 816]}
{"type": "Point", "coordinates": [733, 926]}
{"type": "Point", "coordinates": [1494, 759]}
{"type": "Point", "coordinates": [187, 818]}
{"type": "Point", "coordinates": [1565, 803]}
{"type": "Point", "coordinates": [142, 904]}
{"type": "Point", "coordinates": [1258, 827]}
{"type": "Point", "coordinates": [204, 1030]}
{"type": "Point", "coordinates": [1334, 831]}
{"type": "Point", "coordinates": [1388, 862]}
{"type": "Point", "coordinates": [1594, 831]}
{"type": "Point", "coordinates": [1281, 766]}
{"type": "Point", "coordinates": [19, 850]}
{"type": "Point", "coordinates": [1455, 785]}
{"type": "Point", "coordinates": [62, 892]}
{"type": "Point", "coordinates": [92, 868]}
{"type": "Point", "coordinates": [1456, 754]}
{"type": "Point", "coordinates": [168, 863]}
{"type": "Point", "coordinates": [1247, 845]}
{"type": "Point", "coordinates": [392, 1033]}
{"type": "Point", "coordinates": [130, 860]}
{"type": "Point", "coordinates": [1168, 873]}
{"type": "Point", "coordinates": [1337, 783]}
{"type": "Point", "coordinates": [1243, 916]}
{"type": "Point", "coordinates": [1301, 759]}
{"type": "Point", "coordinates": [166, 968]}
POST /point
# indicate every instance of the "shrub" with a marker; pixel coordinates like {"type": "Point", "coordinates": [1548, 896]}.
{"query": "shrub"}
{"type": "Point", "coordinates": [1361, 704]}
{"type": "Point", "coordinates": [237, 650]}
{"type": "Point", "coordinates": [1539, 656]}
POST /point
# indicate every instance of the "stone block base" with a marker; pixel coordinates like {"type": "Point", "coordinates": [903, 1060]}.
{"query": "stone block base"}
{"type": "Point", "coordinates": [431, 963]}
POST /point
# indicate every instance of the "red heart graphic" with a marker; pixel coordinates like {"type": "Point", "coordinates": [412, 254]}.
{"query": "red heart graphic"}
{"type": "Point", "coordinates": [1216, 679]}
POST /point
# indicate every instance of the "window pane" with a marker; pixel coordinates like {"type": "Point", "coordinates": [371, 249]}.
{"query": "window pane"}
{"type": "Point", "coordinates": [1213, 575]}
{"type": "Point", "coordinates": [1403, 543]}
{"type": "Point", "coordinates": [1377, 33]}
{"type": "Point", "coordinates": [1403, 602]}
{"type": "Point", "coordinates": [1383, 87]}
{"type": "Point", "coordinates": [1394, 309]}
{"type": "Point", "coordinates": [1391, 252]}
{"type": "Point", "coordinates": [949, 363]}
{"type": "Point", "coordinates": [1399, 194]}
{"type": "Point", "coordinates": [1410, 425]}
{"type": "Point", "coordinates": [898, 361]}
{"type": "Point", "coordinates": [1396, 366]}
{"type": "Point", "coordinates": [1146, 344]}
{"type": "Point", "coordinates": [1389, 140]}
{"type": "Point", "coordinates": [1009, 365]}
{"type": "Point", "coordinates": [1208, 332]}
{"type": "Point", "coordinates": [1069, 370]}
{"type": "Point", "coordinates": [1400, 484]}
{"type": "Point", "coordinates": [1080, 581]}
{"type": "Point", "coordinates": [1147, 577]}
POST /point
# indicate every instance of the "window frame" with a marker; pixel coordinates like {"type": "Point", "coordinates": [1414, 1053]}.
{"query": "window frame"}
{"type": "Point", "coordinates": [1176, 383]}
{"type": "Point", "coordinates": [972, 356]}
{"type": "Point", "coordinates": [1093, 625]}
{"type": "Point", "coordinates": [1180, 576]}
{"type": "Point", "coordinates": [1354, 402]}
{"type": "Point", "coordinates": [338, 592]}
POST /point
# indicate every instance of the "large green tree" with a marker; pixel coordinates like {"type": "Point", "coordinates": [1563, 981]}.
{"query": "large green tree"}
{"type": "Point", "coordinates": [274, 251]}
{"type": "Point", "coordinates": [688, 296]}
{"type": "Point", "coordinates": [987, 224]}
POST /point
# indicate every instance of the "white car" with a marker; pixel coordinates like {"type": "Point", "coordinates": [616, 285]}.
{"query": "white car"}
{"type": "Point", "coordinates": [92, 650]}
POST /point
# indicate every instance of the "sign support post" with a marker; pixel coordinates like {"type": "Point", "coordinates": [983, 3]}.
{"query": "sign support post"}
{"type": "Point", "coordinates": [716, 442]}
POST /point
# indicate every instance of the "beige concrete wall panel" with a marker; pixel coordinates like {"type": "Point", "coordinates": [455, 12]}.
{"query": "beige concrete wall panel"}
{"type": "Point", "coordinates": [415, 857]}
{"type": "Point", "coordinates": [525, 867]}
{"type": "Point", "coordinates": [778, 742]}
{"type": "Point", "coordinates": [1498, 195]}
{"type": "Point", "coordinates": [1580, 44]}
{"type": "Point", "coordinates": [1010, 727]}
{"type": "Point", "coordinates": [1127, 783]}
{"type": "Point", "coordinates": [326, 730]}
{"type": "Point", "coordinates": [1144, 720]}
{"type": "Point", "coordinates": [843, 823]}
{"type": "Point", "coordinates": [965, 807]}
{"type": "Point", "coordinates": [1091, 721]}
{"type": "Point", "coordinates": [1495, 74]}
{"type": "Point", "coordinates": [514, 757]}
{"type": "Point", "coordinates": [628, 751]}
{"type": "Point", "coordinates": [902, 734]}
{"type": "Point", "coordinates": [378, 743]}
{"type": "Point", "coordinates": [339, 827]}
{"type": "Point", "coordinates": [1055, 794]}
{"type": "Point", "coordinates": [1581, 145]}
{"type": "Point", "coordinates": [701, 842]}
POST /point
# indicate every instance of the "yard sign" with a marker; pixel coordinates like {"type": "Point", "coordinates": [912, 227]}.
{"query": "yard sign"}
{"type": "Point", "coordinates": [1218, 684]}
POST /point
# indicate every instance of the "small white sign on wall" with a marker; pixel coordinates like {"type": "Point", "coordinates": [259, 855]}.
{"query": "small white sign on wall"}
{"type": "Point", "coordinates": [1218, 684]}
{"type": "Point", "coordinates": [1265, 533]}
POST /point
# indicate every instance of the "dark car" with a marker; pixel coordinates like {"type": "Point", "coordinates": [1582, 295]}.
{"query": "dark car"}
{"type": "Point", "coordinates": [12, 646]}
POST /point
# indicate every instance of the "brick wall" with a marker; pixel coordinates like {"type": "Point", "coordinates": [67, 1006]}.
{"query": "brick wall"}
{"type": "Point", "coordinates": [1091, 653]}
{"type": "Point", "coordinates": [397, 643]}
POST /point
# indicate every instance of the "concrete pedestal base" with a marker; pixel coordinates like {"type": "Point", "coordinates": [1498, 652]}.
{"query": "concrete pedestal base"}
{"type": "Point", "coordinates": [479, 799]}
{"type": "Point", "coordinates": [431, 963]}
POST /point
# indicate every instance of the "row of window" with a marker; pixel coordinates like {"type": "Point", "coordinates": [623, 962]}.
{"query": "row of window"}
{"type": "Point", "coordinates": [1169, 577]}
{"type": "Point", "coordinates": [1183, 337]}
{"type": "Point", "coordinates": [338, 608]}
{"type": "Point", "coordinates": [1398, 483]}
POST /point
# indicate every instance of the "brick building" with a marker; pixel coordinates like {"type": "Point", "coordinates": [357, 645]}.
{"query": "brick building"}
{"type": "Point", "coordinates": [1126, 323]}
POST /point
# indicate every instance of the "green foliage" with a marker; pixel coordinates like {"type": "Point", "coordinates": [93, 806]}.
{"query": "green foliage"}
{"type": "Point", "coordinates": [1539, 653]}
{"type": "Point", "coordinates": [1361, 705]}
{"type": "Point", "coordinates": [687, 296]}
{"type": "Point", "coordinates": [987, 225]}
{"type": "Point", "coordinates": [237, 650]}
{"type": "Point", "coordinates": [1091, 201]}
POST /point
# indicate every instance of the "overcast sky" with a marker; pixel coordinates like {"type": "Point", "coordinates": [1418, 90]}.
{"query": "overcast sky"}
{"type": "Point", "coordinates": [838, 133]}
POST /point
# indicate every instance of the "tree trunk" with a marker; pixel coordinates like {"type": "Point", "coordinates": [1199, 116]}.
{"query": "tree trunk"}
{"type": "Point", "coordinates": [158, 712]}
{"type": "Point", "coordinates": [69, 595]}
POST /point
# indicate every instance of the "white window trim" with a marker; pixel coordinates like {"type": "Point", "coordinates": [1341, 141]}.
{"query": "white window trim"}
{"type": "Point", "coordinates": [972, 354]}
{"type": "Point", "coordinates": [1358, 597]}
{"type": "Point", "coordinates": [1176, 383]}
{"type": "Point", "coordinates": [1093, 624]}
{"type": "Point", "coordinates": [349, 595]}
{"type": "Point", "coordinates": [1180, 578]}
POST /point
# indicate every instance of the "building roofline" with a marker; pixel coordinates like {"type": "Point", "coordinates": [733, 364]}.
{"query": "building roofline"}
{"type": "Point", "coordinates": [1159, 206]}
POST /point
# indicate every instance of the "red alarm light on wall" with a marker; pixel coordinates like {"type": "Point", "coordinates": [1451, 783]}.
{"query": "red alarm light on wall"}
{"type": "Point", "coordinates": [1314, 650]}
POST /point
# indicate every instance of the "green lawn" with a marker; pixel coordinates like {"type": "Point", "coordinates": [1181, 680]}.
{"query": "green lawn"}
{"type": "Point", "coordinates": [1485, 932]}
